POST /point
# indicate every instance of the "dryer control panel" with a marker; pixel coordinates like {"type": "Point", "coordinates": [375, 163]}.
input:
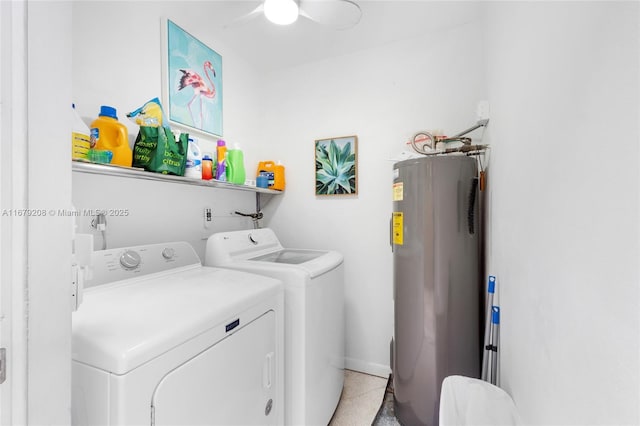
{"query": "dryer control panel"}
{"type": "Point", "coordinates": [128, 262]}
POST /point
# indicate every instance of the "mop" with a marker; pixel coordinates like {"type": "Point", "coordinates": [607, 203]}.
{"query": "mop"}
{"type": "Point", "coordinates": [491, 286]}
{"type": "Point", "coordinates": [495, 337]}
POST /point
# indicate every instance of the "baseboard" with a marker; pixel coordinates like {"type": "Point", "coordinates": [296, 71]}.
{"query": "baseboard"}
{"type": "Point", "coordinates": [361, 366]}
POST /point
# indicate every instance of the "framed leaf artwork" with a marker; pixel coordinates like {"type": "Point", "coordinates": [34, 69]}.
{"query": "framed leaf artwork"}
{"type": "Point", "coordinates": [337, 166]}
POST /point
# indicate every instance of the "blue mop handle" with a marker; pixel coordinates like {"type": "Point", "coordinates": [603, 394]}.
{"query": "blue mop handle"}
{"type": "Point", "coordinates": [486, 353]}
{"type": "Point", "coordinates": [495, 315]}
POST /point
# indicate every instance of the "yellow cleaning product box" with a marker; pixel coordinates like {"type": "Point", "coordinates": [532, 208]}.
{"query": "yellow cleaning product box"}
{"type": "Point", "coordinates": [274, 173]}
{"type": "Point", "coordinates": [80, 137]}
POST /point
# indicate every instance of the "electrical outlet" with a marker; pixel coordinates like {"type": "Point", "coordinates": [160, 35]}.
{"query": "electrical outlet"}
{"type": "Point", "coordinates": [482, 110]}
{"type": "Point", "coordinates": [208, 217]}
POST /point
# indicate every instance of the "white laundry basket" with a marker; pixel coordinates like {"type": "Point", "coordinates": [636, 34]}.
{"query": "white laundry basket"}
{"type": "Point", "coordinates": [468, 401]}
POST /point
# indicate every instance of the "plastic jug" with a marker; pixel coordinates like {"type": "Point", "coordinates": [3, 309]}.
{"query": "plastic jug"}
{"type": "Point", "coordinates": [235, 166]}
{"type": "Point", "coordinates": [221, 158]}
{"type": "Point", "coordinates": [107, 133]}
{"type": "Point", "coordinates": [193, 168]}
{"type": "Point", "coordinates": [274, 173]}
{"type": "Point", "coordinates": [207, 167]}
{"type": "Point", "coordinates": [80, 137]}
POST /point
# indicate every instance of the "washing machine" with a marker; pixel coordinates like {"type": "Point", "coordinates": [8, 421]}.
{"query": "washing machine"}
{"type": "Point", "coordinates": [314, 315]}
{"type": "Point", "coordinates": [159, 339]}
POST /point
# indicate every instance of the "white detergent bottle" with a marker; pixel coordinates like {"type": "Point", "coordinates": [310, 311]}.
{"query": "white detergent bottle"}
{"type": "Point", "coordinates": [193, 168]}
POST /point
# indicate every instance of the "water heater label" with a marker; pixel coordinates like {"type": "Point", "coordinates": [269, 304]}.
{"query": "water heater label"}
{"type": "Point", "coordinates": [398, 189]}
{"type": "Point", "coordinates": [397, 228]}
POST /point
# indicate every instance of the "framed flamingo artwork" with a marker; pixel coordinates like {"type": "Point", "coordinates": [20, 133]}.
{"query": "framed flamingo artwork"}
{"type": "Point", "coordinates": [192, 81]}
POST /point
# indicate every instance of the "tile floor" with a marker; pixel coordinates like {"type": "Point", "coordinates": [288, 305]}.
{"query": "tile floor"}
{"type": "Point", "coordinates": [361, 398]}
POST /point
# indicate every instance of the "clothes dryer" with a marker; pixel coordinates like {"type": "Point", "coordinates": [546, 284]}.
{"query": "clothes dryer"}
{"type": "Point", "coordinates": [159, 339]}
{"type": "Point", "coordinates": [314, 315]}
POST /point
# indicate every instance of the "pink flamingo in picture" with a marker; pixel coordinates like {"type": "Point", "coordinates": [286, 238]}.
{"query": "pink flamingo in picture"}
{"type": "Point", "coordinates": [200, 88]}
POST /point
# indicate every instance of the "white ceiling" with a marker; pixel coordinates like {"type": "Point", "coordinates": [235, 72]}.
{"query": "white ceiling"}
{"type": "Point", "coordinates": [268, 46]}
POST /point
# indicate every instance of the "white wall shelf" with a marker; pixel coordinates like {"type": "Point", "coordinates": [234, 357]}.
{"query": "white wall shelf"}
{"type": "Point", "coordinates": [127, 172]}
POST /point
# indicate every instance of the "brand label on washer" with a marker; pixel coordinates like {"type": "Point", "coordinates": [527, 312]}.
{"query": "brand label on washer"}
{"type": "Point", "coordinates": [232, 325]}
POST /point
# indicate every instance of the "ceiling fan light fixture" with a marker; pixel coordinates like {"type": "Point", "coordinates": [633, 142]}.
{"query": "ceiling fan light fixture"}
{"type": "Point", "coordinates": [281, 12]}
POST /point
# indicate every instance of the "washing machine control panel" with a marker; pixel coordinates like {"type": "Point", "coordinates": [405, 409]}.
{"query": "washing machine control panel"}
{"type": "Point", "coordinates": [130, 259]}
{"type": "Point", "coordinates": [129, 262]}
{"type": "Point", "coordinates": [226, 246]}
{"type": "Point", "coordinates": [168, 253]}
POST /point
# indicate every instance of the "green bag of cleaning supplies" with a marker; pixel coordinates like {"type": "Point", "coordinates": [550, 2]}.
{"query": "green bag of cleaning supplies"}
{"type": "Point", "coordinates": [156, 150]}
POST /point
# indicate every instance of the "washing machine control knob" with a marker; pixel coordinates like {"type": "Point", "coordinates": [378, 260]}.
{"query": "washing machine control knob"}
{"type": "Point", "coordinates": [168, 253]}
{"type": "Point", "coordinates": [130, 259]}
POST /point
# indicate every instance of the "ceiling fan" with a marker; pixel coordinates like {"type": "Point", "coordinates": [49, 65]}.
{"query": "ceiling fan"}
{"type": "Point", "coordinates": [337, 14]}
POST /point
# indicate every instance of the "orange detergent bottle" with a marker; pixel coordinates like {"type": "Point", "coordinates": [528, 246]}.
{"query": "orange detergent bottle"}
{"type": "Point", "coordinates": [107, 133]}
{"type": "Point", "coordinates": [274, 173]}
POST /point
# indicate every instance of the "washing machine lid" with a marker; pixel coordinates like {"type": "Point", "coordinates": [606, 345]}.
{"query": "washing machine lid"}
{"type": "Point", "coordinates": [289, 256]}
{"type": "Point", "coordinates": [311, 263]}
{"type": "Point", "coordinates": [259, 250]}
{"type": "Point", "coordinates": [122, 325]}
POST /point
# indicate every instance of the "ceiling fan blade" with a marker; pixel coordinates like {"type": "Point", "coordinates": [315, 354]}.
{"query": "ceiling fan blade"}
{"type": "Point", "coordinates": [337, 14]}
{"type": "Point", "coordinates": [246, 18]}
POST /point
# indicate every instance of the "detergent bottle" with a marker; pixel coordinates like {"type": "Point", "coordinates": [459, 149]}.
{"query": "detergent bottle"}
{"type": "Point", "coordinates": [108, 134]}
{"type": "Point", "coordinates": [221, 155]}
{"type": "Point", "coordinates": [207, 167]}
{"type": "Point", "coordinates": [235, 166]}
{"type": "Point", "coordinates": [80, 139]}
{"type": "Point", "coordinates": [193, 168]}
{"type": "Point", "coordinates": [274, 173]}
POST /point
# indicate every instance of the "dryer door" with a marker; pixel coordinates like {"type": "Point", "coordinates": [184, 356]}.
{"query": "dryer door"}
{"type": "Point", "coordinates": [231, 383]}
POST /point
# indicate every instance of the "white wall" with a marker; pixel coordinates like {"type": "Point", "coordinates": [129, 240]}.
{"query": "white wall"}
{"type": "Point", "coordinates": [13, 230]}
{"type": "Point", "coordinates": [158, 212]}
{"type": "Point", "coordinates": [117, 62]}
{"type": "Point", "coordinates": [382, 95]}
{"type": "Point", "coordinates": [48, 237]}
{"type": "Point", "coordinates": [563, 87]}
